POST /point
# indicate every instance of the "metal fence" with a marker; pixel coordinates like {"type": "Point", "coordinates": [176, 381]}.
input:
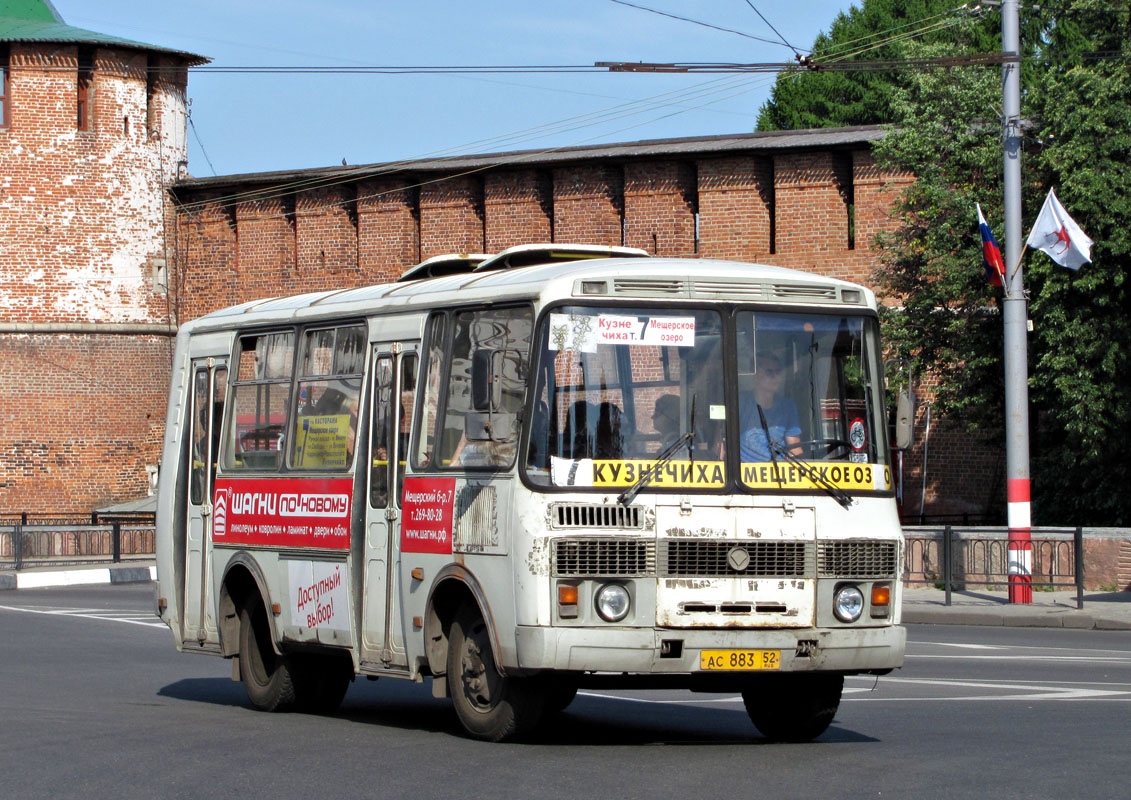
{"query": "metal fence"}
{"type": "Point", "coordinates": [954, 557]}
{"type": "Point", "coordinates": [68, 544]}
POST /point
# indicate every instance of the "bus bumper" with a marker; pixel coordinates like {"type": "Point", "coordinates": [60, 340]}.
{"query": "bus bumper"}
{"type": "Point", "coordinates": [674, 651]}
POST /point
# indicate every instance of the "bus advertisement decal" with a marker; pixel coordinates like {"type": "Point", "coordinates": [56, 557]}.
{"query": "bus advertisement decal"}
{"type": "Point", "coordinates": [319, 597]}
{"type": "Point", "coordinates": [427, 512]}
{"type": "Point", "coordinates": [623, 473]}
{"type": "Point", "coordinates": [283, 512]}
{"type": "Point", "coordinates": [784, 475]}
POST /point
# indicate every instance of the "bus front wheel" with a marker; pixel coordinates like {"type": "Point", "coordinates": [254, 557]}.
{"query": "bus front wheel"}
{"type": "Point", "coordinates": [793, 708]}
{"type": "Point", "coordinates": [490, 706]}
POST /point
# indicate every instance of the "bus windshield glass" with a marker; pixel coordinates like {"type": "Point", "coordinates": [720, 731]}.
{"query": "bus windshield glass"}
{"type": "Point", "coordinates": [809, 391]}
{"type": "Point", "coordinates": [616, 387]}
{"type": "Point", "coordinates": [798, 409]}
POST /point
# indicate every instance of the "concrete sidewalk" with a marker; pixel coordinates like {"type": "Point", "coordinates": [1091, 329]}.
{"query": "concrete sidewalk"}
{"type": "Point", "coordinates": [921, 605]}
{"type": "Point", "coordinates": [1102, 610]}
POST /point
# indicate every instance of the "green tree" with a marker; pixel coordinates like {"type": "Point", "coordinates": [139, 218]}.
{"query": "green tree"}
{"type": "Point", "coordinates": [1081, 345]}
{"type": "Point", "coordinates": [877, 30]}
{"type": "Point", "coordinates": [942, 313]}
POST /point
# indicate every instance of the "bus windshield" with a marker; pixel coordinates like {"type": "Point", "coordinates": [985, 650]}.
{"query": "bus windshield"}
{"type": "Point", "coordinates": [617, 386]}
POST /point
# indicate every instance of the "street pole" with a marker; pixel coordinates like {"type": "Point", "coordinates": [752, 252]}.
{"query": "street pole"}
{"type": "Point", "coordinates": [1015, 322]}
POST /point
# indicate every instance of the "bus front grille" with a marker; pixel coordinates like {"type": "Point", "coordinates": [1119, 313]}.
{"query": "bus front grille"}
{"type": "Point", "coordinates": [731, 559]}
{"type": "Point", "coordinates": [857, 559]}
{"type": "Point", "coordinates": [575, 558]}
{"type": "Point", "coordinates": [592, 515]}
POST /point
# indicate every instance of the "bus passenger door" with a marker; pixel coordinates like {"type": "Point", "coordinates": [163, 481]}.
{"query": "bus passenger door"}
{"type": "Point", "coordinates": [209, 384]}
{"type": "Point", "coordinates": [394, 392]}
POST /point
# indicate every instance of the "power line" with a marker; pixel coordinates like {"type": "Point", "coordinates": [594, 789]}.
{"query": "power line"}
{"type": "Point", "coordinates": [775, 30]}
{"type": "Point", "coordinates": [618, 111]}
{"type": "Point", "coordinates": [196, 135]}
{"type": "Point", "coordinates": [699, 22]}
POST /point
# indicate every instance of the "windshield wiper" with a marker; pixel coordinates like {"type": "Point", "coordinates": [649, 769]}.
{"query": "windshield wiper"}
{"type": "Point", "coordinates": [629, 494]}
{"type": "Point", "coordinates": [779, 449]}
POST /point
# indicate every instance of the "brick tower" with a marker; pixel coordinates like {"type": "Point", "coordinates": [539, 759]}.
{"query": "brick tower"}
{"type": "Point", "coordinates": [92, 130]}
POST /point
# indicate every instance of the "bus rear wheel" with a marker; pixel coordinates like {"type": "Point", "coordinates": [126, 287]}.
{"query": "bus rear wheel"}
{"type": "Point", "coordinates": [490, 706]}
{"type": "Point", "coordinates": [267, 676]}
{"type": "Point", "coordinates": [793, 708]}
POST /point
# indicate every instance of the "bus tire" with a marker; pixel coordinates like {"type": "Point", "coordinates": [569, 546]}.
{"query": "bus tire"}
{"type": "Point", "coordinates": [490, 706]}
{"type": "Point", "coordinates": [794, 708]}
{"type": "Point", "coordinates": [321, 682]}
{"type": "Point", "coordinates": [267, 676]}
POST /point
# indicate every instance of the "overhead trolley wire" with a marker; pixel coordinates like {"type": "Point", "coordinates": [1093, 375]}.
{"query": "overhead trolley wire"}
{"type": "Point", "coordinates": [619, 111]}
{"type": "Point", "coordinates": [699, 22]}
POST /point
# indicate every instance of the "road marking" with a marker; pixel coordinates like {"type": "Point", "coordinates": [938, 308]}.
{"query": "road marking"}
{"type": "Point", "coordinates": [1045, 659]}
{"type": "Point", "coordinates": [968, 646]}
{"type": "Point", "coordinates": [1039, 648]}
{"type": "Point", "coordinates": [1032, 691]}
{"type": "Point", "coordinates": [85, 613]}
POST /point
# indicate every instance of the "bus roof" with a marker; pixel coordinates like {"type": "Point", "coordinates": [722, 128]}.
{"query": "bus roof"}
{"type": "Point", "coordinates": [647, 279]}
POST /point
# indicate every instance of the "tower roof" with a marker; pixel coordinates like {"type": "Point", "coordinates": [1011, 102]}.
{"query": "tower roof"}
{"type": "Point", "coordinates": [39, 21]}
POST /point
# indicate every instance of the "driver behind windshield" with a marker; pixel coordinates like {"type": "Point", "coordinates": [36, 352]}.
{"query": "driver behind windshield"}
{"type": "Point", "coordinates": [779, 412]}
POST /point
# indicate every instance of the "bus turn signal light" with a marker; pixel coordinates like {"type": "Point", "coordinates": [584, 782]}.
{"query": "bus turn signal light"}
{"type": "Point", "coordinates": [881, 595]}
{"type": "Point", "coordinates": [567, 595]}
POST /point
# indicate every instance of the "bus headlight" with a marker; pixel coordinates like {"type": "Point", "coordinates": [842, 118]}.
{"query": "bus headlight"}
{"type": "Point", "coordinates": [613, 602]}
{"type": "Point", "coordinates": [848, 603]}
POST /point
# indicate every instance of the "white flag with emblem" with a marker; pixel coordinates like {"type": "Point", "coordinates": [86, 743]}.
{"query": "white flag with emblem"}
{"type": "Point", "coordinates": [1057, 234]}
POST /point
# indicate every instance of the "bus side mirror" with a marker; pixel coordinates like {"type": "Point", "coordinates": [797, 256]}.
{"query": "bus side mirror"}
{"type": "Point", "coordinates": [905, 420]}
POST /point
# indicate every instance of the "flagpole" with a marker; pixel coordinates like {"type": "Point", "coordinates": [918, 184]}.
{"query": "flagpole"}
{"type": "Point", "coordinates": [1015, 322]}
{"type": "Point", "coordinates": [1017, 266]}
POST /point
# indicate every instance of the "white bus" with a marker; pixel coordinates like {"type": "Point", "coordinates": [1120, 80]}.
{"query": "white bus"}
{"type": "Point", "coordinates": [618, 472]}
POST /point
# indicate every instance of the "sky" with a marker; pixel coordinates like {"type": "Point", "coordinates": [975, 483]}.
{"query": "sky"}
{"type": "Point", "coordinates": [244, 123]}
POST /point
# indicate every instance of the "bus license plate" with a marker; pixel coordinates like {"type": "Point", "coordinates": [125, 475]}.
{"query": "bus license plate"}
{"type": "Point", "coordinates": [739, 659]}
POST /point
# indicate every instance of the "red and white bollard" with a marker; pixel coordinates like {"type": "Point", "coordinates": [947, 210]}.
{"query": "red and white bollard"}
{"type": "Point", "coordinates": [1020, 543]}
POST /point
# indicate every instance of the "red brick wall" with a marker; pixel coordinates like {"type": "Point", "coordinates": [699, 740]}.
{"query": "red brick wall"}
{"type": "Point", "coordinates": [518, 208]}
{"type": "Point", "coordinates": [83, 223]}
{"type": "Point", "coordinates": [207, 269]}
{"type": "Point", "coordinates": [735, 202]}
{"type": "Point", "coordinates": [588, 204]}
{"type": "Point", "coordinates": [387, 228]}
{"type": "Point", "coordinates": [451, 216]}
{"type": "Point", "coordinates": [81, 439]}
{"type": "Point", "coordinates": [326, 224]}
{"type": "Point", "coordinates": [659, 207]}
{"type": "Point", "coordinates": [91, 201]}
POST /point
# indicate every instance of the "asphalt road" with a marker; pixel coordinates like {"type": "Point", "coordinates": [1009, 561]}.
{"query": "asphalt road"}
{"type": "Point", "coordinates": [95, 701]}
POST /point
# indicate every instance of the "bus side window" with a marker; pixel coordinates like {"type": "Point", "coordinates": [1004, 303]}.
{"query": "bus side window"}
{"type": "Point", "coordinates": [380, 442]}
{"type": "Point", "coordinates": [329, 390]}
{"type": "Point", "coordinates": [199, 436]}
{"type": "Point", "coordinates": [437, 343]}
{"type": "Point", "coordinates": [407, 402]}
{"type": "Point", "coordinates": [486, 387]}
{"type": "Point", "coordinates": [261, 394]}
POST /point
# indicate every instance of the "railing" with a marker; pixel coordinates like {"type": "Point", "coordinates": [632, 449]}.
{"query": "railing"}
{"type": "Point", "coordinates": [69, 544]}
{"type": "Point", "coordinates": [980, 556]}
{"type": "Point", "coordinates": [76, 518]}
{"type": "Point", "coordinates": [964, 519]}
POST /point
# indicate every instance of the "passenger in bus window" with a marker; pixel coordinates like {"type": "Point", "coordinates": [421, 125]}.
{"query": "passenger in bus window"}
{"type": "Point", "coordinates": [575, 431]}
{"type": "Point", "coordinates": [611, 436]}
{"type": "Point", "coordinates": [665, 419]}
{"type": "Point", "coordinates": [779, 411]}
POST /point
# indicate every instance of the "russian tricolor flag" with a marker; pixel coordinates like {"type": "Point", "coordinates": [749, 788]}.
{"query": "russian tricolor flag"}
{"type": "Point", "coordinates": [991, 254]}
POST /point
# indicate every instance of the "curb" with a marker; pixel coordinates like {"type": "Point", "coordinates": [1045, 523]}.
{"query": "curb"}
{"type": "Point", "coordinates": [1066, 618]}
{"type": "Point", "coordinates": [77, 577]}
